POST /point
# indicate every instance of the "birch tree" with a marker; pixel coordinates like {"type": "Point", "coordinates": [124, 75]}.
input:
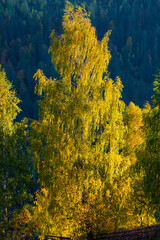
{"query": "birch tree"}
{"type": "Point", "coordinates": [15, 173]}
{"type": "Point", "coordinates": [79, 137]}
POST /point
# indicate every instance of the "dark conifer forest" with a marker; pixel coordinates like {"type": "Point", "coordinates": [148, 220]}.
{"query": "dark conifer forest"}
{"type": "Point", "coordinates": [79, 117]}
{"type": "Point", "coordinates": [134, 43]}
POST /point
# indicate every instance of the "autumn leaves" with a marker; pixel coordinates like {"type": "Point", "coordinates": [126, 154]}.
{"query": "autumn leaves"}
{"type": "Point", "coordinates": [88, 138]}
{"type": "Point", "coordinates": [88, 147]}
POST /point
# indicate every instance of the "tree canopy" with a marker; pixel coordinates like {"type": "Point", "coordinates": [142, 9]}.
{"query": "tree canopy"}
{"type": "Point", "coordinates": [15, 172]}
{"type": "Point", "coordinates": [89, 164]}
{"type": "Point", "coordinates": [79, 141]}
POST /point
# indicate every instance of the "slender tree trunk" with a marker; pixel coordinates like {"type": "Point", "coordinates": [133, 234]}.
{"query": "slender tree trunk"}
{"type": "Point", "coordinates": [5, 187]}
{"type": "Point", "coordinates": [116, 224]}
{"type": "Point", "coordinates": [5, 202]}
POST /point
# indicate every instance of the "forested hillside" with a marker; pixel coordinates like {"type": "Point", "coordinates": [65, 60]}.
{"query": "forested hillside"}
{"type": "Point", "coordinates": [134, 43]}
{"type": "Point", "coordinates": [82, 157]}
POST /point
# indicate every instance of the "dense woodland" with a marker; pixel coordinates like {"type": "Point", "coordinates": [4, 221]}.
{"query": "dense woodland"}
{"type": "Point", "coordinates": [83, 153]}
{"type": "Point", "coordinates": [134, 43]}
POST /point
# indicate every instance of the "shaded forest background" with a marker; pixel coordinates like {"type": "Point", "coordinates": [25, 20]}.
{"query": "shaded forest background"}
{"type": "Point", "coordinates": [134, 43]}
{"type": "Point", "coordinates": [80, 159]}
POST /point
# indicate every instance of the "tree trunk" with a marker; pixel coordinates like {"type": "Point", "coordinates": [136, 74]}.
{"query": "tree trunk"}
{"type": "Point", "coordinates": [5, 187]}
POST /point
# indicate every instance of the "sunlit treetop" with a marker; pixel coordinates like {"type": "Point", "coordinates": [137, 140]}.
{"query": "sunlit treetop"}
{"type": "Point", "coordinates": [79, 57]}
{"type": "Point", "coordinates": [8, 101]}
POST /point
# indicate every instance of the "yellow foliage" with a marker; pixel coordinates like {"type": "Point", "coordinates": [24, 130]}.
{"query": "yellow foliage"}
{"type": "Point", "coordinates": [83, 143]}
{"type": "Point", "coordinates": [23, 224]}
